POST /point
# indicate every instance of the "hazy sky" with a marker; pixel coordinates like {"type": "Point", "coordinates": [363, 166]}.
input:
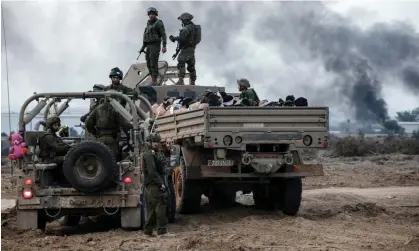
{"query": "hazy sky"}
{"type": "Point", "coordinates": [68, 46]}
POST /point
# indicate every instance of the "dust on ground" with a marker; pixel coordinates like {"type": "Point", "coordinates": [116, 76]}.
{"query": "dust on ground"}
{"type": "Point", "coordinates": [360, 204]}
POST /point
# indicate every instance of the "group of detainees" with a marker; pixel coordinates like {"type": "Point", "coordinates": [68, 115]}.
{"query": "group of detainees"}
{"type": "Point", "coordinates": [173, 105]}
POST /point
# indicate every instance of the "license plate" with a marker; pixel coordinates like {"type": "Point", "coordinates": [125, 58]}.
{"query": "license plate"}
{"type": "Point", "coordinates": [220, 162]}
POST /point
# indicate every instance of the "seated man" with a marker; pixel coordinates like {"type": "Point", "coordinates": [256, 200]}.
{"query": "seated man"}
{"type": "Point", "coordinates": [248, 95]}
{"type": "Point", "coordinates": [289, 100]}
{"type": "Point", "coordinates": [52, 147]}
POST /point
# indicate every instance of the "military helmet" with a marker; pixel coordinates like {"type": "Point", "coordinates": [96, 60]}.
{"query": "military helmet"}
{"type": "Point", "coordinates": [243, 83]}
{"type": "Point", "coordinates": [98, 88]}
{"type": "Point", "coordinates": [116, 72]}
{"type": "Point", "coordinates": [152, 10]}
{"type": "Point", "coordinates": [154, 137]}
{"type": "Point", "coordinates": [52, 120]}
{"type": "Point", "coordinates": [185, 17]}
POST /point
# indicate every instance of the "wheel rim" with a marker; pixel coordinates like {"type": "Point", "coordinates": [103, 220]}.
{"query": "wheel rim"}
{"type": "Point", "coordinates": [89, 166]}
{"type": "Point", "coordinates": [178, 185]}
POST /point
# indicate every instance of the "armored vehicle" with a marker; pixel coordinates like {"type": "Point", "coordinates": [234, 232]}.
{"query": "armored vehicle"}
{"type": "Point", "coordinates": [90, 181]}
{"type": "Point", "coordinates": [220, 150]}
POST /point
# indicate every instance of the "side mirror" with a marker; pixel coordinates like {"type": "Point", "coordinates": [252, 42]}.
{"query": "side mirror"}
{"type": "Point", "coordinates": [175, 156]}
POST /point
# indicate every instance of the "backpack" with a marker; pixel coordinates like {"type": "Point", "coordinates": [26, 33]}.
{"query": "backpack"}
{"type": "Point", "coordinates": [197, 34]}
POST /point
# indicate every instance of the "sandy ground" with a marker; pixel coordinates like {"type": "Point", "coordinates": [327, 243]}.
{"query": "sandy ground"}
{"type": "Point", "coordinates": [360, 204]}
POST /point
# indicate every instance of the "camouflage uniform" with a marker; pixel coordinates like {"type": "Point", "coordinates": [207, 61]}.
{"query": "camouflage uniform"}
{"type": "Point", "coordinates": [104, 122]}
{"type": "Point", "coordinates": [52, 147]}
{"type": "Point", "coordinates": [187, 46]}
{"type": "Point", "coordinates": [154, 35]}
{"type": "Point", "coordinates": [248, 95]}
{"type": "Point", "coordinates": [96, 88]}
{"type": "Point", "coordinates": [156, 196]}
{"type": "Point", "coordinates": [119, 87]}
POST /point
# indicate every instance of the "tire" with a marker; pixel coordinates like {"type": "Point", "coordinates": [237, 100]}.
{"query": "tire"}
{"type": "Point", "coordinates": [31, 219]}
{"type": "Point", "coordinates": [84, 179]}
{"type": "Point", "coordinates": [171, 202]}
{"type": "Point", "coordinates": [188, 192]}
{"type": "Point", "coordinates": [222, 197]}
{"type": "Point", "coordinates": [291, 196]}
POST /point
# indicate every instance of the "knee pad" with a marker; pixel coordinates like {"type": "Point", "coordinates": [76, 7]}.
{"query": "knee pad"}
{"type": "Point", "coordinates": [191, 68]}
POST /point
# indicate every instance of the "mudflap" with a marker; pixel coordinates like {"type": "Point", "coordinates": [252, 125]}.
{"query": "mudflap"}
{"type": "Point", "coordinates": [131, 218]}
{"type": "Point", "coordinates": [31, 219]}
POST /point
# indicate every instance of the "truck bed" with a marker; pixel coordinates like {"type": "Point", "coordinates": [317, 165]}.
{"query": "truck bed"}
{"type": "Point", "coordinates": [249, 122]}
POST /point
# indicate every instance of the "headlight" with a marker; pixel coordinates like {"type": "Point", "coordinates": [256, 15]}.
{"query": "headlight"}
{"type": "Point", "coordinates": [227, 140]}
{"type": "Point", "coordinates": [238, 139]}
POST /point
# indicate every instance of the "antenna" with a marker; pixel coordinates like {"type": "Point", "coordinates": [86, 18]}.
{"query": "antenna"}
{"type": "Point", "coordinates": [7, 68]}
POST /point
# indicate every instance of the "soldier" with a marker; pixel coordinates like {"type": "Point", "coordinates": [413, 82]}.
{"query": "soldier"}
{"type": "Point", "coordinates": [116, 76]}
{"type": "Point", "coordinates": [96, 88]}
{"type": "Point", "coordinates": [105, 123]}
{"type": "Point", "coordinates": [154, 35]}
{"type": "Point", "coordinates": [155, 188]}
{"type": "Point", "coordinates": [248, 95]}
{"type": "Point", "coordinates": [189, 37]}
{"type": "Point", "coordinates": [52, 147]}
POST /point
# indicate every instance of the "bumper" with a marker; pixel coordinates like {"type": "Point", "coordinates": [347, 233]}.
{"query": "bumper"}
{"type": "Point", "coordinates": [79, 202]}
{"type": "Point", "coordinates": [305, 170]}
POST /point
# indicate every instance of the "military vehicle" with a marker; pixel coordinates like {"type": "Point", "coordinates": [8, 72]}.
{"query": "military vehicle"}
{"type": "Point", "coordinates": [220, 150]}
{"type": "Point", "coordinates": [91, 181]}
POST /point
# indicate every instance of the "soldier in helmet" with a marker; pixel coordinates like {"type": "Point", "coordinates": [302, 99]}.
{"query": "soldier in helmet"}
{"type": "Point", "coordinates": [96, 88]}
{"type": "Point", "coordinates": [52, 147]}
{"type": "Point", "coordinates": [154, 35]}
{"type": "Point", "coordinates": [187, 43]}
{"type": "Point", "coordinates": [116, 76]}
{"type": "Point", "coordinates": [105, 123]}
{"type": "Point", "coordinates": [247, 94]}
{"type": "Point", "coordinates": [155, 188]}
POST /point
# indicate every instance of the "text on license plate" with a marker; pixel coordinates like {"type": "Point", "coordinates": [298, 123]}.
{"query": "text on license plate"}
{"type": "Point", "coordinates": [220, 162]}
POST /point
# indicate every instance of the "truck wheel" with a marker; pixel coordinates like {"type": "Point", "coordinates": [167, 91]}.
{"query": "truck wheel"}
{"type": "Point", "coordinates": [222, 197]}
{"type": "Point", "coordinates": [171, 202]}
{"type": "Point", "coordinates": [291, 196]}
{"type": "Point", "coordinates": [31, 219]}
{"type": "Point", "coordinates": [70, 220]}
{"type": "Point", "coordinates": [188, 192]}
{"type": "Point", "coordinates": [131, 218]}
{"type": "Point", "coordinates": [89, 166]}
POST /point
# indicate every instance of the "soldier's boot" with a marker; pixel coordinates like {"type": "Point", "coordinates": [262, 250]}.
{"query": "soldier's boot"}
{"type": "Point", "coordinates": [153, 80]}
{"type": "Point", "coordinates": [162, 231]}
{"type": "Point", "coordinates": [180, 81]}
{"type": "Point", "coordinates": [148, 232]}
{"type": "Point", "coordinates": [191, 81]}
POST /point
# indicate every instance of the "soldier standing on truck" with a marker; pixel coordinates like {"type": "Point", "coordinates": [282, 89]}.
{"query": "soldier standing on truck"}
{"type": "Point", "coordinates": [116, 76]}
{"type": "Point", "coordinates": [247, 94]}
{"type": "Point", "coordinates": [105, 123]}
{"type": "Point", "coordinates": [189, 37]}
{"type": "Point", "coordinates": [155, 189]}
{"type": "Point", "coordinates": [154, 35]}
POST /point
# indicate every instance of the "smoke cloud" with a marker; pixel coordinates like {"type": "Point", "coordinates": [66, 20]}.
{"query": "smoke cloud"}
{"type": "Point", "coordinates": [299, 48]}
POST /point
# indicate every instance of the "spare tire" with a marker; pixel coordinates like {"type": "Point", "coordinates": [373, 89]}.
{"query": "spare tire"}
{"type": "Point", "coordinates": [89, 166]}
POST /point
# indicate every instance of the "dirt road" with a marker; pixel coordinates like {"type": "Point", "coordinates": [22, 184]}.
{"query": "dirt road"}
{"type": "Point", "coordinates": [342, 215]}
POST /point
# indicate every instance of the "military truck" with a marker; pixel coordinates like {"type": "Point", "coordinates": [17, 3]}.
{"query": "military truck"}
{"type": "Point", "coordinates": [220, 150]}
{"type": "Point", "coordinates": [91, 181]}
